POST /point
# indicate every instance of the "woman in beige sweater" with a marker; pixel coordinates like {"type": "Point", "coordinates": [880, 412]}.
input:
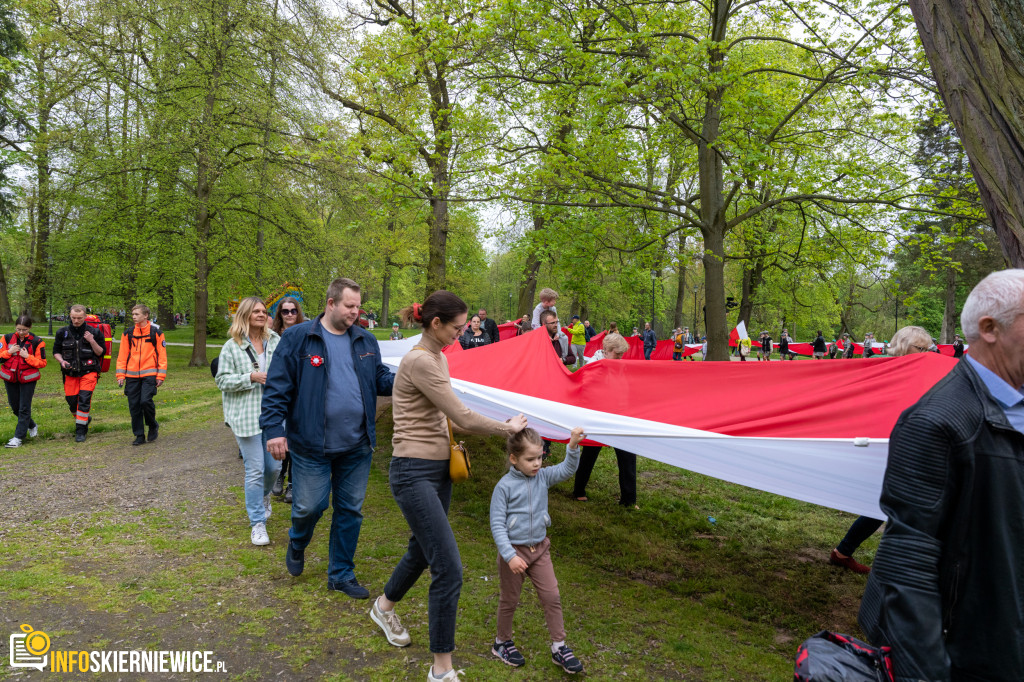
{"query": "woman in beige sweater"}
{"type": "Point", "coordinates": [423, 401]}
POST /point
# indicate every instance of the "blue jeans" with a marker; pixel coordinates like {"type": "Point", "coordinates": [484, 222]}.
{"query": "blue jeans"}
{"type": "Point", "coordinates": [261, 471]}
{"type": "Point", "coordinates": [423, 491]}
{"type": "Point", "coordinates": [342, 476]}
{"type": "Point", "coordinates": [647, 353]}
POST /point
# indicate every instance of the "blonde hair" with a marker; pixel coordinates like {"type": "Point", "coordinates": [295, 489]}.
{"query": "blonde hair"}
{"type": "Point", "coordinates": [548, 295]}
{"type": "Point", "coordinates": [614, 343]}
{"type": "Point", "coordinates": [910, 340]}
{"type": "Point", "coordinates": [240, 325]}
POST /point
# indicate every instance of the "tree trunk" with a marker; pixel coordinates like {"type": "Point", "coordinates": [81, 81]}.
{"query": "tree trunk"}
{"type": "Point", "coordinates": [385, 296]}
{"type": "Point", "coordinates": [528, 287]}
{"type": "Point", "coordinates": [5, 302]}
{"type": "Point", "coordinates": [752, 278]}
{"type": "Point", "coordinates": [438, 244]}
{"type": "Point", "coordinates": [975, 51]}
{"type": "Point", "coordinates": [681, 288]}
{"type": "Point", "coordinates": [165, 305]}
{"type": "Point", "coordinates": [39, 279]}
{"type": "Point", "coordinates": [949, 313]}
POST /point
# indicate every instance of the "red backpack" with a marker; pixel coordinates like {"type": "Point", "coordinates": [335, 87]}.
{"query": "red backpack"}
{"type": "Point", "coordinates": [100, 326]}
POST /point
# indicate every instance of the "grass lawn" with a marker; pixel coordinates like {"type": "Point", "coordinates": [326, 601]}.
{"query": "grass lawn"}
{"type": "Point", "coordinates": [114, 547]}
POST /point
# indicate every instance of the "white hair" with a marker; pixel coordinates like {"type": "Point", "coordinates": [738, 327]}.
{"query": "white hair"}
{"type": "Point", "coordinates": [999, 296]}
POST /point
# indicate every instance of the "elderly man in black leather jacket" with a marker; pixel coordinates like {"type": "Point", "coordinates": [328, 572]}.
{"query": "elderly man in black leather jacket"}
{"type": "Point", "coordinates": [946, 590]}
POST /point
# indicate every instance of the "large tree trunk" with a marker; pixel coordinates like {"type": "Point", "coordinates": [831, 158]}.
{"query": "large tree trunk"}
{"type": "Point", "coordinates": [39, 278]}
{"type": "Point", "coordinates": [531, 268]}
{"type": "Point", "coordinates": [976, 51]}
{"type": "Point", "coordinates": [753, 275]}
{"type": "Point", "coordinates": [949, 313]}
{"type": "Point", "coordinates": [5, 302]}
{"type": "Point", "coordinates": [385, 296]}
{"type": "Point", "coordinates": [165, 305]}
{"type": "Point", "coordinates": [681, 288]}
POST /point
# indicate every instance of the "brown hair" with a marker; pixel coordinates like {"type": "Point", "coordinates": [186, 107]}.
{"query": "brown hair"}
{"type": "Point", "coordinates": [24, 321]}
{"type": "Point", "coordinates": [278, 325]}
{"type": "Point", "coordinates": [338, 286]}
{"type": "Point", "coordinates": [547, 315]}
{"type": "Point", "coordinates": [518, 442]}
{"type": "Point", "coordinates": [78, 308]}
{"type": "Point", "coordinates": [613, 328]}
{"type": "Point", "coordinates": [143, 308]}
{"type": "Point", "coordinates": [441, 304]}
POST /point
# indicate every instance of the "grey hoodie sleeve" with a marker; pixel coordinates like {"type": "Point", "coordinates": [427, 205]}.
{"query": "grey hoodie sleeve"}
{"type": "Point", "coordinates": [562, 471]}
{"type": "Point", "coordinates": [499, 516]}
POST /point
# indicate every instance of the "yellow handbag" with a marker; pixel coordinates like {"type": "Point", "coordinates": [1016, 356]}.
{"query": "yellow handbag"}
{"type": "Point", "coordinates": [458, 465]}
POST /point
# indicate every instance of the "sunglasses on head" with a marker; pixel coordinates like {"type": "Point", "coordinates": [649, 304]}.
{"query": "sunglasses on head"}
{"type": "Point", "coordinates": [289, 311]}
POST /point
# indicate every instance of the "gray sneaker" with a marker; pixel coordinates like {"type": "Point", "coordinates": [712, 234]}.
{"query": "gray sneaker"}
{"type": "Point", "coordinates": [266, 506]}
{"type": "Point", "coordinates": [388, 621]}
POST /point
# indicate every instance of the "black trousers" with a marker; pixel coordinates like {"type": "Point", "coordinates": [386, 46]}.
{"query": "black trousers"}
{"type": "Point", "coordinates": [19, 397]}
{"type": "Point", "coordinates": [627, 473]}
{"type": "Point", "coordinates": [140, 394]}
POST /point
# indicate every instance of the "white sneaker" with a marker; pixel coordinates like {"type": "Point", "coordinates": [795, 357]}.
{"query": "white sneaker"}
{"type": "Point", "coordinates": [450, 676]}
{"type": "Point", "coordinates": [389, 623]}
{"type": "Point", "coordinates": [266, 506]}
{"type": "Point", "coordinates": [13, 443]}
{"type": "Point", "coordinates": [34, 431]}
{"type": "Point", "coordinates": [259, 534]}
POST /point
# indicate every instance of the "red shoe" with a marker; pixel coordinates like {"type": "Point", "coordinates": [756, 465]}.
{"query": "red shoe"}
{"type": "Point", "coordinates": [848, 563]}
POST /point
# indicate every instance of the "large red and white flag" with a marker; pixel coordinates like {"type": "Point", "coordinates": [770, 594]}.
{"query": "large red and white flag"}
{"type": "Point", "coordinates": [817, 432]}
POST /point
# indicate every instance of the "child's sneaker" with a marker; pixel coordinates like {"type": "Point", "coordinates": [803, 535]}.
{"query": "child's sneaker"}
{"type": "Point", "coordinates": [508, 653]}
{"type": "Point", "coordinates": [566, 660]}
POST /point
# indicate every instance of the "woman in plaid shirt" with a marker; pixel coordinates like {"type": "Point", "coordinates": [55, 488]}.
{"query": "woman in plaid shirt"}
{"type": "Point", "coordinates": [241, 376]}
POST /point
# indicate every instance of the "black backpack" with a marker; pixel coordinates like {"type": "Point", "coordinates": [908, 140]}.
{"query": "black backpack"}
{"type": "Point", "coordinates": [215, 363]}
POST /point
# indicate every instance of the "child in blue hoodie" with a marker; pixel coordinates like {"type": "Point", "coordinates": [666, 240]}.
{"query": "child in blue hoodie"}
{"type": "Point", "coordinates": [519, 522]}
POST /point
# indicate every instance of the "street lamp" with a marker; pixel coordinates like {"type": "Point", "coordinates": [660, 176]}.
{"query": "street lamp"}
{"type": "Point", "coordinates": [654, 278]}
{"type": "Point", "coordinates": [510, 311]}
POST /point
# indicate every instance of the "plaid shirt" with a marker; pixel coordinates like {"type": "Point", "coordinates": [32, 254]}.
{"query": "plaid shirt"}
{"type": "Point", "coordinates": [240, 396]}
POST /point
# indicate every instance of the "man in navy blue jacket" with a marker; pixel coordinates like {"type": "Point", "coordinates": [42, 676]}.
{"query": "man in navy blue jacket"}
{"type": "Point", "coordinates": [324, 383]}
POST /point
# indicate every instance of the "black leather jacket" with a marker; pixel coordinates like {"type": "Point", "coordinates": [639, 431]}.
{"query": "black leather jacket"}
{"type": "Point", "coordinates": [946, 590]}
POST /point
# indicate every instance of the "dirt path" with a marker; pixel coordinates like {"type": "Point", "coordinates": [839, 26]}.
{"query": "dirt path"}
{"type": "Point", "coordinates": [117, 525]}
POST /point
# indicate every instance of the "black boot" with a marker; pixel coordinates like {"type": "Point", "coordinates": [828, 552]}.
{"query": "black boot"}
{"type": "Point", "coordinates": [80, 432]}
{"type": "Point", "coordinates": [288, 494]}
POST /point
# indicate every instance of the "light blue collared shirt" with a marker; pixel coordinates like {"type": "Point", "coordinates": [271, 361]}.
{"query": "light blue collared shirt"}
{"type": "Point", "coordinates": [1009, 398]}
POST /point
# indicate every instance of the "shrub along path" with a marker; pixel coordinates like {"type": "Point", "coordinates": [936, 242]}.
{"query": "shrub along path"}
{"type": "Point", "coordinates": [111, 547]}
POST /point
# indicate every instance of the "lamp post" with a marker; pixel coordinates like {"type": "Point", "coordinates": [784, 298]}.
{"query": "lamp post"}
{"type": "Point", "coordinates": [654, 278]}
{"type": "Point", "coordinates": [510, 311]}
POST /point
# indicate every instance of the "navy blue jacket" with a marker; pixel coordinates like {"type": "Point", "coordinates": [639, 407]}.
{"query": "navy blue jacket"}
{"type": "Point", "coordinates": [650, 340]}
{"type": "Point", "coordinates": [296, 388]}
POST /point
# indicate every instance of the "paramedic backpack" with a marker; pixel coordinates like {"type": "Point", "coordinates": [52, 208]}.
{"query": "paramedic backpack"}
{"type": "Point", "coordinates": [98, 325]}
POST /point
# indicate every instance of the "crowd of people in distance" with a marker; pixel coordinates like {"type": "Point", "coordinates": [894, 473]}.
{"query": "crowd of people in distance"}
{"type": "Point", "coordinates": [299, 395]}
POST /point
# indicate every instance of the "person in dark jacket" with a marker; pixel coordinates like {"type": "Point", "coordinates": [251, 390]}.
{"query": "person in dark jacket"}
{"type": "Point", "coordinates": [588, 331]}
{"type": "Point", "coordinates": [79, 349]}
{"type": "Point", "coordinates": [475, 336]}
{"type": "Point", "coordinates": [946, 591]}
{"type": "Point", "coordinates": [324, 381]}
{"type": "Point", "coordinates": [848, 348]}
{"type": "Point", "coordinates": [784, 346]}
{"type": "Point", "coordinates": [819, 347]}
{"type": "Point", "coordinates": [489, 326]}
{"type": "Point", "coordinates": [650, 340]}
{"type": "Point", "coordinates": [22, 355]}
{"type": "Point", "coordinates": [958, 347]}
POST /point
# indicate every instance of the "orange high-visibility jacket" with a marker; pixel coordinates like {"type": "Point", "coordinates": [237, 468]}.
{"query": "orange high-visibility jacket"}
{"type": "Point", "coordinates": [19, 370]}
{"type": "Point", "coordinates": [137, 358]}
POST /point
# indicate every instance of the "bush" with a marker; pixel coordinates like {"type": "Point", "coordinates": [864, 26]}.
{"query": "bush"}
{"type": "Point", "coordinates": [217, 327]}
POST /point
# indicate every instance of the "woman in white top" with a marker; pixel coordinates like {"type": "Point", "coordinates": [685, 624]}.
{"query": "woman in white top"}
{"type": "Point", "coordinates": [241, 375]}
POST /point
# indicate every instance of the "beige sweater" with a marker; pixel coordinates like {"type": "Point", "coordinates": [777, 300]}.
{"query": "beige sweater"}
{"type": "Point", "coordinates": [422, 398]}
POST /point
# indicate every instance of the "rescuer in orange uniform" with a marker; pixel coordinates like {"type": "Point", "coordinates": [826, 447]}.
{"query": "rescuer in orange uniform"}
{"type": "Point", "coordinates": [79, 349]}
{"type": "Point", "coordinates": [141, 369]}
